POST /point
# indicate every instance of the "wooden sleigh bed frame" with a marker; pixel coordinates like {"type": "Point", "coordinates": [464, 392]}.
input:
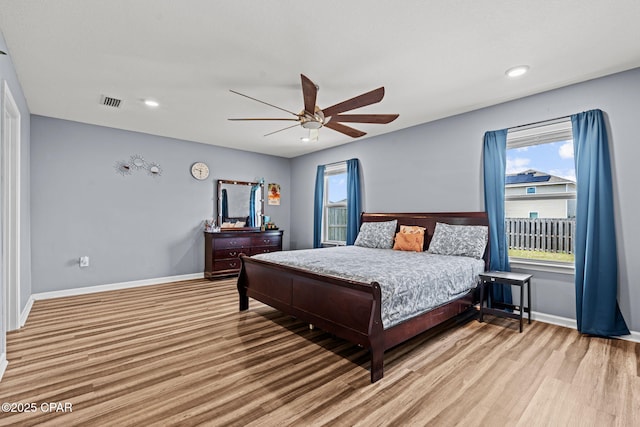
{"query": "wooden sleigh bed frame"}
{"type": "Point", "coordinates": [348, 309]}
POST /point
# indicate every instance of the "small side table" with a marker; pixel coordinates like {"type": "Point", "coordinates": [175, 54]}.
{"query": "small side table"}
{"type": "Point", "coordinates": [501, 309]}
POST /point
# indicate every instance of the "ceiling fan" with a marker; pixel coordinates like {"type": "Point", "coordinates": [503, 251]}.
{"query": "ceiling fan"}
{"type": "Point", "coordinates": [313, 118]}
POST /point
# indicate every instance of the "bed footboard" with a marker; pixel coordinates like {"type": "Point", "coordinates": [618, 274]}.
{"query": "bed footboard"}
{"type": "Point", "coordinates": [348, 309]}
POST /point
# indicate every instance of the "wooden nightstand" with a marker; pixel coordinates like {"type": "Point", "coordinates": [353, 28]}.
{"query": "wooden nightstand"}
{"type": "Point", "coordinates": [500, 309]}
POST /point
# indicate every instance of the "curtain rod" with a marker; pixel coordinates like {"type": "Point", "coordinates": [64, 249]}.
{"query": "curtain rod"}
{"type": "Point", "coordinates": [539, 122]}
{"type": "Point", "coordinates": [336, 163]}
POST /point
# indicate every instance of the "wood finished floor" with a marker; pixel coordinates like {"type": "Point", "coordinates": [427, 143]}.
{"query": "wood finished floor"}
{"type": "Point", "coordinates": [182, 354]}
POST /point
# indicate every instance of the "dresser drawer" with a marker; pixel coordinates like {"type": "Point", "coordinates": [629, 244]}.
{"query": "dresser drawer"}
{"type": "Point", "coordinates": [223, 249]}
{"type": "Point", "coordinates": [227, 264]}
{"type": "Point", "coordinates": [231, 253]}
{"type": "Point", "coordinates": [266, 241]}
{"type": "Point", "coordinates": [264, 249]}
{"type": "Point", "coordinates": [232, 243]}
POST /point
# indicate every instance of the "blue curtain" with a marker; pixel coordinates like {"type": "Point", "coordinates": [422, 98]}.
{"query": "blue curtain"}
{"type": "Point", "coordinates": [252, 206]}
{"type": "Point", "coordinates": [317, 207]}
{"type": "Point", "coordinates": [353, 200]}
{"type": "Point", "coordinates": [495, 165]}
{"type": "Point", "coordinates": [597, 310]}
{"type": "Point", "coordinates": [225, 205]}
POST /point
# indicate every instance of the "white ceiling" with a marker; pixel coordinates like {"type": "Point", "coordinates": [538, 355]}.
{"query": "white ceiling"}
{"type": "Point", "coordinates": [434, 58]}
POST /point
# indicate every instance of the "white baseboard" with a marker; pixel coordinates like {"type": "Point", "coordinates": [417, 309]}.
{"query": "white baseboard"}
{"type": "Point", "coordinates": [633, 336]}
{"type": "Point", "coordinates": [25, 313]}
{"type": "Point", "coordinates": [554, 320]}
{"type": "Point", "coordinates": [115, 286]}
{"type": "Point", "coordinates": [3, 364]}
{"type": "Point", "coordinates": [571, 323]}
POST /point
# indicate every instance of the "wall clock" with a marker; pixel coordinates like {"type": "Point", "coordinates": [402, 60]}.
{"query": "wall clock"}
{"type": "Point", "coordinates": [200, 171]}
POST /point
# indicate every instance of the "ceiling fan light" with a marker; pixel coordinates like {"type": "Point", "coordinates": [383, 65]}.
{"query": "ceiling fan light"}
{"type": "Point", "coordinates": [312, 124]}
{"type": "Point", "coordinates": [517, 71]}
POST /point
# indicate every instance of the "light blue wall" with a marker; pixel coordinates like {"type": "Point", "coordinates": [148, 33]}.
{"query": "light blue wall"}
{"type": "Point", "coordinates": [437, 166]}
{"type": "Point", "coordinates": [132, 227]}
{"type": "Point", "coordinates": [8, 75]}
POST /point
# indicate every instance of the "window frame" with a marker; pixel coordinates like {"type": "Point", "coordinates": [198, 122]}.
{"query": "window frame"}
{"type": "Point", "coordinates": [531, 135]}
{"type": "Point", "coordinates": [331, 170]}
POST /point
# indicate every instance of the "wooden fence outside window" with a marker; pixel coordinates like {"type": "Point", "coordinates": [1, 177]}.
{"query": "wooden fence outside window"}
{"type": "Point", "coordinates": [337, 223]}
{"type": "Point", "coordinates": [541, 234]}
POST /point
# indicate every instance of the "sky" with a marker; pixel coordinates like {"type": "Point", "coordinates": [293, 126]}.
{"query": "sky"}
{"type": "Point", "coordinates": [555, 158]}
{"type": "Point", "coordinates": [337, 187]}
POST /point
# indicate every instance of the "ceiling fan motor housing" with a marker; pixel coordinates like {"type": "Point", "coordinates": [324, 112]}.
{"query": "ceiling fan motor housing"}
{"type": "Point", "coordinates": [309, 121]}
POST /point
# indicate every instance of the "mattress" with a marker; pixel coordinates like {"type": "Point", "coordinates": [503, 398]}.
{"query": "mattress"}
{"type": "Point", "coordinates": [411, 282]}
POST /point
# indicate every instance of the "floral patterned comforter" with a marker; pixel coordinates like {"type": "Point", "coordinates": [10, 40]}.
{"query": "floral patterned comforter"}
{"type": "Point", "coordinates": [411, 282]}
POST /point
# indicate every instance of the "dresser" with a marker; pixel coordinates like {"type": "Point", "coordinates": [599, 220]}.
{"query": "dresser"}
{"type": "Point", "coordinates": [222, 249]}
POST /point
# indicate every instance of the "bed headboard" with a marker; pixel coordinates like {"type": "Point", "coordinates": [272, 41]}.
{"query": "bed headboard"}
{"type": "Point", "coordinates": [428, 221]}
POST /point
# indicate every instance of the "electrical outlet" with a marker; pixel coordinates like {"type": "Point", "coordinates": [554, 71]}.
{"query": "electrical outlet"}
{"type": "Point", "coordinates": [84, 261]}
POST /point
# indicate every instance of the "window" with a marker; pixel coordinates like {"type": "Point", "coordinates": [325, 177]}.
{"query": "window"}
{"type": "Point", "coordinates": [334, 218]}
{"type": "Point", "coordinates": [540, 192]}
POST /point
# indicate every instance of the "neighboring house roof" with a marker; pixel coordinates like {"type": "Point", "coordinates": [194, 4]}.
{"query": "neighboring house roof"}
{"type": "Point", "coordinates": [532, 176]}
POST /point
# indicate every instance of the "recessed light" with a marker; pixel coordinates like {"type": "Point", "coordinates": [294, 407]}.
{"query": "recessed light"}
{"type": "Point", "coordinates": [305, 139]}
{"type": "Point", "coordinates": [517, 71]}
{"type": "Point", "coordinates": [151, 103]}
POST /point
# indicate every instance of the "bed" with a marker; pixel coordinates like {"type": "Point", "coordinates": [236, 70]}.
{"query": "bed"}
{"type": "Point", "coordinates": [351, 305]}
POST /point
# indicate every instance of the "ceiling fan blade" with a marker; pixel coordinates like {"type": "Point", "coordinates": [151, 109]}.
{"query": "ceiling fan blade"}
{"type": "Point", "coordinates": [257, 118]}
{"type": "Point", "coordinates": [365, 118]}
{"type": "Point", "coordinates": [353, 133]}
{"type": "Point", "coordinates": [280, 130]}
{"type": "Point", "coordinates": [262, 102]}
{"type": "Point", "coordinates": [365, 99]}
{"type": "Point", "coordinates": [309, 93]}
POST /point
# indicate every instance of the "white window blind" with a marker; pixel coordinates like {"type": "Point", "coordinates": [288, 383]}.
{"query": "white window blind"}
{"type": "Point", "coordinates": [541, 133]}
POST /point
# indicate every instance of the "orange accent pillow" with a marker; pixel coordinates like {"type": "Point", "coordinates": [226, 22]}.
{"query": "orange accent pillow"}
{"type": "Point", "coordinates": [409, 242]}
{"type": "Point", "coordinates": [412, 229]}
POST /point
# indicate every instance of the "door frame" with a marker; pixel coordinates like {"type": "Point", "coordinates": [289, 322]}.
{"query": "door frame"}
{"type": "Point", "coordinates": [10, 209]}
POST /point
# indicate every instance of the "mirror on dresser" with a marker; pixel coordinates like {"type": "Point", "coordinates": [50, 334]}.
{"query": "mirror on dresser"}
{"type": "Point", "coordinates": [240, 205]}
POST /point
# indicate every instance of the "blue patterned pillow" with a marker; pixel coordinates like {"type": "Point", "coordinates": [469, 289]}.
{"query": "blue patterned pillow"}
{"type": "Point", "coordinates": [464, 240]}
{"type": "Point", "coordinates": [377, 234]}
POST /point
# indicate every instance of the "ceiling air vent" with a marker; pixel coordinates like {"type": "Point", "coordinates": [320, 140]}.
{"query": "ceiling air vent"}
{"type": "Point", "coordinates": [110, 102]}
